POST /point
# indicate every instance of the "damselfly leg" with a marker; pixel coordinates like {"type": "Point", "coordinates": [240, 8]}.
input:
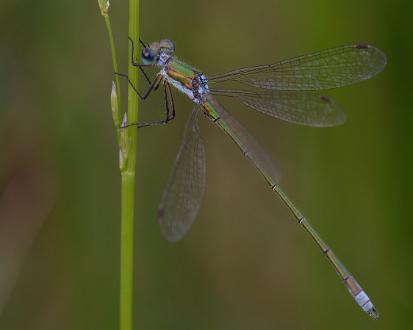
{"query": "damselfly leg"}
{"type": "Point", "coordinates": [169, 101]}
{"type": "Point", "coordinates": [169, 109]}
{"type": "Point", "coordinates": [140, 66]}
{"type": "Point", "coordinates": [153, 87]}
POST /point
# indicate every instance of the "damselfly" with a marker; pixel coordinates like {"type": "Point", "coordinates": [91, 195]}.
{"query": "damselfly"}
{"type": "Point", "coordinates": [287, 90]}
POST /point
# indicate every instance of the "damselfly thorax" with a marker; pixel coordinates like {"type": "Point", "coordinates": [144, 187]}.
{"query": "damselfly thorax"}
{"type": "Point", "coordinates": [186, 79]}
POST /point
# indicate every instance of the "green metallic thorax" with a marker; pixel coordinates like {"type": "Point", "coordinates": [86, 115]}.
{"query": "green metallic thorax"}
{"type": "Point", "coordinates": [186, 78]}
{"type": "Point", "coordinates": [181, 72]}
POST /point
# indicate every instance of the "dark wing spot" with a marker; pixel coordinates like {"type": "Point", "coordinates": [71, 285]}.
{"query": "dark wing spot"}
{"type": "Point", "coordinates": [161, 213]}
{"type": "Point", "coordinates": [361, 46]}
{"type": "Point", "coordinates": [325, 99]}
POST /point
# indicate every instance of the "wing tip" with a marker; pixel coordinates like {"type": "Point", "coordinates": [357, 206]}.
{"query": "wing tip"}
{"type": "Point", "coordinates": [171, 236]}
{"type": "Point", "coordinates": [379, 53]}
{"type": "Point", "coordinates": [337, 117]}
{"type": "Point", "coordinates": [168, 232]}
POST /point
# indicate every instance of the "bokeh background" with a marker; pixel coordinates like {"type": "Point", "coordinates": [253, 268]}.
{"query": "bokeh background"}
{"type": "Point", "coordinates": [244, 264]}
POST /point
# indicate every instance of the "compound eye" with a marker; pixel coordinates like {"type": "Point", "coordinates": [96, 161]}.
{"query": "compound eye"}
{"type": "Point", "coordinates": [167, 45]}
{"type": "Point", "coordinates": [147, 56]}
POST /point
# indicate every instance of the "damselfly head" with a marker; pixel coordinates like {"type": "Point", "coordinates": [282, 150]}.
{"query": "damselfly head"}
{"type": "Point", "coordinates": [158, 52]}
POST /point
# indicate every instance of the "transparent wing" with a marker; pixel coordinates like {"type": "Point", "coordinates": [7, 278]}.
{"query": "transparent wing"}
{"type": "Point", "coordinates": [246, 142]}
{"type": "Point", "coordinates": [326, 69]}
{"type": "Point", "coordinates": [186, 184]}
{"type": "Point", "coordinates": [299, 107]}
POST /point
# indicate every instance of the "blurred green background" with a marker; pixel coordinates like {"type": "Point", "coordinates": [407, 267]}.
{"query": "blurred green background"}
{"type": "Point", "coordinates": [244, 264]}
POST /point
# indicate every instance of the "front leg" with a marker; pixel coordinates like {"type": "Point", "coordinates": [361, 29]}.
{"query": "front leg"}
{"type": "Point", "coordinates": [152, 87]}
{"type": "Point", "coordinates": [140, 66]}
{"type": "Point", "coordinates": [169, 110]}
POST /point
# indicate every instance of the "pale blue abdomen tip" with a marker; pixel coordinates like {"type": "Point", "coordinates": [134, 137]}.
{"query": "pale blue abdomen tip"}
{"type": "Point", "coordinates": [364, 302]}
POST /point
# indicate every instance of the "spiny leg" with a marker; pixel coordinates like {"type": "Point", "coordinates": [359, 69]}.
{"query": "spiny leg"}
{"type": "Point", "coordinates": [154, 85]}
{"type": "Point", "coordinates": [145, 75]}
{"type": "Point", "coordinates": [169, 110]}
{"type": "Point", "coordinates": [168, 86]}
{"type": "Point", "coordinates": [143, 43]}
{"type": "Point", "coordinates": [140, 66]}
{"type": "Point", "coordinates": [169, 102]}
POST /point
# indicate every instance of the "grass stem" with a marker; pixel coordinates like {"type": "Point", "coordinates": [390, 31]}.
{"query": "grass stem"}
{"type": "Point", "coordinates": [128, 148]}
{"type": "Point", "coordinates": [128, 185]}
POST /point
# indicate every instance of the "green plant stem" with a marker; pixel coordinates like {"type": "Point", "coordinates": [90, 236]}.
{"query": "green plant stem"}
{"type": "Point", "coordinates": [117, 121]}
{"type": "Point", "coordinates": [126, 250]}
{"type": "Point", "coordinates": [128, 185]}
